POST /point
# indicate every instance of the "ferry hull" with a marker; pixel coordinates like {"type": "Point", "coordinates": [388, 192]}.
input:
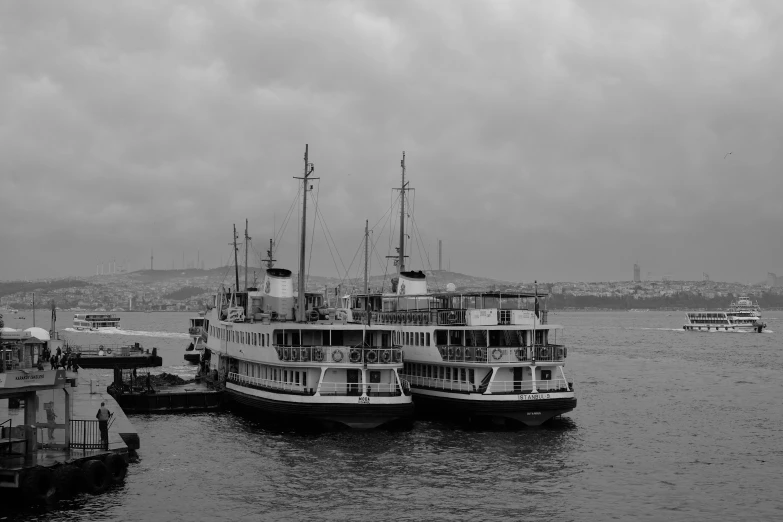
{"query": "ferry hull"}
{"type": "Point", "coordinates": [747, 329]}
{"type": "Point", "coordinates": [357, 416]}
{"type": "Point", "coordinates": [192, 356]}
{"type": "Point", "coordinates": [527, 412]}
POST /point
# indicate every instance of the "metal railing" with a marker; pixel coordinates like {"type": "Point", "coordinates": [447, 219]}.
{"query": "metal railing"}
{"type": "Point", "coordinates": [378, 389]}
{"type": "Point", "coordinates": [108, 349]}
{"type": "Point", "coordinates": [440, 384]}
{"type": "Point", "coordinates": [549, 385]}
{"type": "Point", "coordinates": [455, 317]}
{"type": "Point", "coordinates": [401, 317]}
{"type": "Point", "coordinates": [326, 388]}
{"type": "Point", "coordinates": [339, 355]}
{"type": "Point", "coordinates": [86, 434]}
{"type": "Point", "coordinates": [503, 354]}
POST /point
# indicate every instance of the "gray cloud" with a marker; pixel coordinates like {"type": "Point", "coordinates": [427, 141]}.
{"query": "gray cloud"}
{"type": "Point", "coordinates": [557, 140]}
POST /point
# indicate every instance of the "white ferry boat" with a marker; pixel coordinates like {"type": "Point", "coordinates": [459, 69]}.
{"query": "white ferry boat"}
{"type": "Point", "coordinates": [95, 321]}
{"type": "Point", "coordinates": [484, 354]}
{"type": "Point", "coordinates": [742, 316]}
{"type": "Point", "coordinates": [276, 354]}
{"type": "Point", "coordinates": [198, 339]}
{"type": "Point", "coordinates": [487, 355]}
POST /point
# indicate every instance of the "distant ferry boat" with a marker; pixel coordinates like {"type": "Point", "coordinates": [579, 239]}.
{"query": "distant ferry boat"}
{"type": "Point", "coordinates": [95, 321]}
{"type": "Point", "coordinates": [742, 316]}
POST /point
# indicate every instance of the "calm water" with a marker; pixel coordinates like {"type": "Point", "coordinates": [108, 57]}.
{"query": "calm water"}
{"type": "Point", "coordinates": [669, 426]}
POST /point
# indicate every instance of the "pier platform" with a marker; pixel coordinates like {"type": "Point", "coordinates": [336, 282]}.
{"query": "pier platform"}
{"type": "Point", "coordinates": [50, 445]}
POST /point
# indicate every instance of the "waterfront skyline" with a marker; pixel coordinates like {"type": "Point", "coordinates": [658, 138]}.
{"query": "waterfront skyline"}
{"type": "Point", "coordinates": [556, 141]}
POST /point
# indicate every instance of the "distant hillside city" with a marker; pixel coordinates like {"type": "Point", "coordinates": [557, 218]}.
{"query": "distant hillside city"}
{"type": "Point", "coordinates": [191, 289]}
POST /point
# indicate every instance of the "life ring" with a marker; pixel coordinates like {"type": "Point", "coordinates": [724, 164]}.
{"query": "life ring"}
{"type": "Point", "coordinates": [337, 356]}
{"type": "Point", "coordinates": [96, 476]}
{"type": "Point", "coordinates": [560, 353]}
{"type": "Point", "coordinates": [497, 353]}
{"type": "Point", "coordinates": [313, 315]}
{"type": "Point", "coordinates": [452, 316]}
{"type": "Point", "coordinates": [294, 354]}
{"type": "Point", "coordinates": [521, 354]}
{"type": "Point", "coordinates": [426, 318]}
{"type": "Point", "coordinates": [108, 350]}
{"type": "Point", "coordinates": [397, 355]}
{"type": "Point", "coordinates": [451, 351]}
{"type": "Point", "coordinates": [305, 355]}
{"type": "Point", "coordinates": [117, 467]}
{"type": "Point", "coordinates": [468, 353]}
{"type": "Point", "coordinates": [100, 347]}
{"type": "Point", "coordinates": [480, 355]}
{"type": "Point", "coordinates": [38, 486]}
{"type": "Point", "coordinates": [286, 353]}
{"type": "Point", "coordinates": [543, 352]}
{"type": "Point", "coordinates": [355, 355]}
{"type": "Point", "coordinates": [318, 355]}
{"type": "Point", "coordinates": [458, 352]}
{"type": "Point", "coordinates": [371, 356]}
{"type": "Point", "coordinates": [386, 356]}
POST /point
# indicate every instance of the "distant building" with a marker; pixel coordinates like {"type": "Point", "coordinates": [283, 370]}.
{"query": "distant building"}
{"type": "Point", "coordinates": [637, 273]}
{"type": "Point", "coordinates": [772, 279]}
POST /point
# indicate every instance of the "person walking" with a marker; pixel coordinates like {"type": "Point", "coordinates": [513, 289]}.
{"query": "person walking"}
{"type": "Point", "coordinates": [103, 417]}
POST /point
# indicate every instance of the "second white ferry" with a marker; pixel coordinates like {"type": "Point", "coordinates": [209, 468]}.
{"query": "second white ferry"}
{"type": "Point", "coordinates": [482, 355]}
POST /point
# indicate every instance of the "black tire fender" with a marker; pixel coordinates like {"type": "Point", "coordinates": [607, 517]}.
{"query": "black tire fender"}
{"type": "Point", "coordinates": [96, 476]}
{"type": "Point", "coordinates": [117, 467]}
{"type": "Point", "coordinates": [38, 486]}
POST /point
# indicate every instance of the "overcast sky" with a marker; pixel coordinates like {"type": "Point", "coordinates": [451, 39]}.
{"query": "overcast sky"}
{"type": "Point", "coordinates": [554, 140]}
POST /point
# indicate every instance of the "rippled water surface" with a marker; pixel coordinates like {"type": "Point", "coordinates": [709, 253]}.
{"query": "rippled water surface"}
{"type": "Point", "coordinates": [669, 426]}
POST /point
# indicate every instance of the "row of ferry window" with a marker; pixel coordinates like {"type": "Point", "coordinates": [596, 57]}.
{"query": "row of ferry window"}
{"type": "Point", "coordinates": [446, 373]}
{"type": "Point", "coordinates": [412, 338]}
{"type": "Point", "coordinates": [271, 373]}
{"type": "Point", "coordinates": [252, 338]}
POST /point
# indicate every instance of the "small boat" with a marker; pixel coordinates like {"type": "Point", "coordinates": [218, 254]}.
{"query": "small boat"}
{"type": "Point", "coordinates": [198, 339]}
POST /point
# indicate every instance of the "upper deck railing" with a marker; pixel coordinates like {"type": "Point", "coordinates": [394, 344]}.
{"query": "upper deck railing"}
{"type": "Point", "coordinates": [504, 355]}
{"type": "Point", "coordinates": [340, 354]}
{"type": "Point", "coordinates": [451, 317]}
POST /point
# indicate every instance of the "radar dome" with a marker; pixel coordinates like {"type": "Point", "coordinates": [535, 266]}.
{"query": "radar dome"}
{"type": "Point", "coordinates": [451, 287]}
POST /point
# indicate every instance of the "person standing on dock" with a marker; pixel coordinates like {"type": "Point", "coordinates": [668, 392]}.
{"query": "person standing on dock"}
{"type": "Point", "coordinates": [103, 417]}
{"type": "Point", "coordinates": [50, 417]}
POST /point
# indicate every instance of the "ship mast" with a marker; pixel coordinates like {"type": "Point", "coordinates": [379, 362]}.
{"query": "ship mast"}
{"type": "Point", "coordinates": [366, 268]}
{"type": "Point", "coordinates": [269, 261]}
{"type": "Point", "coordinates": [308, 169]}
{"type": "Point", "coordinates": [401, 252]}
{"type": "Point", "coordinates": [247, 238]}
{"type": "Point", "coordinates": [236, 264]}
{"type": "Point", "coordinates": [400, 257]}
